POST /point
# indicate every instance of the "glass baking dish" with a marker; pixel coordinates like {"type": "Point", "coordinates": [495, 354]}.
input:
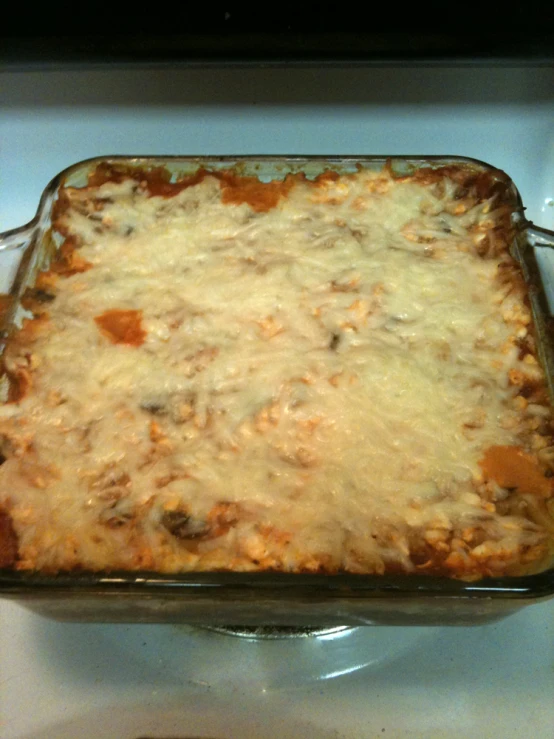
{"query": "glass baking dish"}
{"type": "Point", "coordinates": [266, 598]}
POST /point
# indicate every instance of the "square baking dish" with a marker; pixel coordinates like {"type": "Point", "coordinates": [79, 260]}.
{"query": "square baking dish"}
{"type": "Point", "coordinates": [266, 598]}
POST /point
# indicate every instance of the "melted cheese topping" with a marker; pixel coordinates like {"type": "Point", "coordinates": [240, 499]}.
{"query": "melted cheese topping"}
{"type": "Point", "coordinates": [309, 384]}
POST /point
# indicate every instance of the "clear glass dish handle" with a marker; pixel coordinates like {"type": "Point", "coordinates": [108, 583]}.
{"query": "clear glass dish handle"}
{"type": "Point", "coordinates": [537, 236]}
{"type": "Point", "coordinates": [17, 238]}
{"type": "Point", "coordinates": [13, 244]}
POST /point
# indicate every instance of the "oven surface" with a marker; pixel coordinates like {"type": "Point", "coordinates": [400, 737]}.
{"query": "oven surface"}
{"type": "Point", "coordinates": [76, 680]}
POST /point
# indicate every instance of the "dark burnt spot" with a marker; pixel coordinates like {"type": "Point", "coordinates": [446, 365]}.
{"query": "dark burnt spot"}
{"type": "Point", "coordinates": [41, 296]}
{"type": "Point", "coordinates": [155, 407]}
{"type": "Point", "coordinates": [115, 520]}
{"type": "Point", "coordinates": [109, 480]}
{"type": "Point", "coordinates": [525, 346]}
{"type": "Point", "coordinates": [8, 447]}
{"type": "Point", "coordinates": [357, 234]}
{"type": "Point", "coordinates": [334, 342]}
{"type": "Point", "coordinates": [182, 525]}
{"type": "Point", "coordinates": [36, 299]}
{"type": "Point", "coordinates": [420, 558]}
{"type": "Point", "coordinates": [529, 389]}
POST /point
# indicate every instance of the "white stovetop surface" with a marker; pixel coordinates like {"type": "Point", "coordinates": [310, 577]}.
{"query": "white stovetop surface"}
{"type": "Point", "coordinates": [60, 681]}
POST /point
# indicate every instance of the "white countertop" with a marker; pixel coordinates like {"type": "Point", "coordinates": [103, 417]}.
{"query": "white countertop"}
{"type": "Point", "coordinates": [71, 680]}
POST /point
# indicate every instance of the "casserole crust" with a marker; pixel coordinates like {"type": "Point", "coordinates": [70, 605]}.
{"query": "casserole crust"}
{"type": "Point", "coordinates": [324, 375]}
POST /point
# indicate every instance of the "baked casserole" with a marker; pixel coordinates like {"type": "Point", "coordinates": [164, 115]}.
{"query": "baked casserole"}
{"type": "Point", "coordinates": [328, 374]}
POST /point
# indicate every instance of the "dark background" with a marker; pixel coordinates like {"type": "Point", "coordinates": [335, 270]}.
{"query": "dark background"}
{"type": "Point", "coordinates": [228, 33]}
